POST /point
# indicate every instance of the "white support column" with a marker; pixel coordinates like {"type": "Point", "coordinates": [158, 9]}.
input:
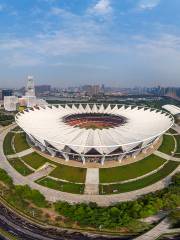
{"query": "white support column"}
{"type": "Point", "coordinates": [53, 153]}
{"type": "Point", "coordinates": [135, 153]}
{"type": "Point", "coordinates": [83, 159]}
{"type": "Point", "coordinates": [42, 148]}
{"type": "Point", "coordinates": [102, 160]}
{"type": "Point", "coordinates": [156, 141]}
{"type": "Point", "coordinates": [144, 150]}
{"type": "Point", "coordinates": [120, 158]}
{"type": "Point", "coordinates": [66, 157]}
{"type": "Point", "coordinates": [152, 146]}
{"type": "Point", "coordinates": [36, 144]}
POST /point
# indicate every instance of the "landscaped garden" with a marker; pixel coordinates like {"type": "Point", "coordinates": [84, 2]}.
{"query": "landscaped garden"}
{"type": "Point", "coordinates": [20, 142]}
{"type": "Point", "coordinates": [68, 173]}
{"type": "Point", "coordinates": [130, 171]}
{"type": "Point", "coordinates": [141, 183]}
{"type": "Point", "coordinates": [167, 145]}
{"type": "Point", "coordinates": [177, 154]}
{"type": "Point", "coordinates": [7, 144]}
{"type": "Point", "coordinates": [62, 186]}
{"type": "Point", "coordinates": [35, 160]}
{"type": "Point", "coordinates": [20, 167]}
{"type": "Point", "coordinates": [122, 218]}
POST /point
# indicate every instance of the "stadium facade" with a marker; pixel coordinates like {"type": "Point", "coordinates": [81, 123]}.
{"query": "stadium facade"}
{"type": "Point", "coordinates": [93, 132]}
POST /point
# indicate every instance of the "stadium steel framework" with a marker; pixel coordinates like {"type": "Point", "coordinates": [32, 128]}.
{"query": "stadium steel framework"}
{"type": "Point", "coordinates": [94, 132]}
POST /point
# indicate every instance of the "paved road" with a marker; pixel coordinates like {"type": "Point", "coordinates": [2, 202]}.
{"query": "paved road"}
{"type": "Point", "coordinates": [53, 195]}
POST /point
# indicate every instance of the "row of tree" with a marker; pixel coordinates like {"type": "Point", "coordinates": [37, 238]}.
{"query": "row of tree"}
{"type": "Point", "coordinates": [126, 214]}
{"type": "Point", "coordinates": [122, 214]}
{"type": "Point", "coordinates": [6, 119]}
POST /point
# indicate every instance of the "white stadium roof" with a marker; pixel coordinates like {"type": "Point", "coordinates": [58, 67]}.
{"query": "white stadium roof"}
{"type": "Point", "coordinates": [172, 109]}
{"type": "Point", "coordinates": [46, 125]}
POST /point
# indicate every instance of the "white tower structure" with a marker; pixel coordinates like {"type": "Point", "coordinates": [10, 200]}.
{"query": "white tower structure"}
{"type": "Point", "coordinates": [30, 89]}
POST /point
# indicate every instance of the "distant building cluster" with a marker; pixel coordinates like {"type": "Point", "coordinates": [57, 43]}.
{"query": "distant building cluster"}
{"type": "Point", "coordinates": [33, 95]}
{"type": "Point", "coordinates": [12, 102]}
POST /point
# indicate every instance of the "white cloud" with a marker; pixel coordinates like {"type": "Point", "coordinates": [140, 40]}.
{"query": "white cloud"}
{"type": "Point", "coordinates": [80, 65]}
{"type": "Point", "coordinates": [57, 11]}
{"type": "Point", "coordinates": [1, 8]}
{"type": "Point", "coordinates": [102, 7]}
{"type": "Point", "coordinates": [148, 4]}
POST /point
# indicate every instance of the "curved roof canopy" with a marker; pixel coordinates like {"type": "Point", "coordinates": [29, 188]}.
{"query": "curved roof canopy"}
{"type": "Point", "coordinates": [172, 109]}
{"type": "Point", "coordinates": [46, 125]}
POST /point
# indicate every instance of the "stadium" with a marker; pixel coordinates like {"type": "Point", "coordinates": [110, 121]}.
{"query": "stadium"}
{"type": "Point", "coordinates": [93, 132]}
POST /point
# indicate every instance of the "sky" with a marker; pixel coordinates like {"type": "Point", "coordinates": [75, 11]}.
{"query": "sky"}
{"type": "Point", "coordinates": [120, 43]}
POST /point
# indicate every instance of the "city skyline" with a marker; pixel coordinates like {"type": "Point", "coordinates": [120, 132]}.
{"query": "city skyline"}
{"type": "Point", "coordinates": [116, 43]}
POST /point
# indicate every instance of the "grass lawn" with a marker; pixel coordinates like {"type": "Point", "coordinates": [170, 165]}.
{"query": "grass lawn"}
{"type": "Point", "coordinates": [141, 183]}
{"type": "Point", "coordinates": [167, 145]}
{"type": "Point", "coordinates": [20, 166]}
{"type": "Point", "coordinates": [68, 173]}
{"type": "Point", "coordinates": [62, 186]}
{"type": "Point", "coordinates": [130, 171]}
{"type": "Point", "coordinates": [7, 146]}
{"type": "Point", "coordinates": [20, 143]}
{"type": "Point", "coordinates": [72, 174]}
{"type": "Point", "coordinates": [178, 146]}
{"type": "Point", "coordinates": [35, 160]}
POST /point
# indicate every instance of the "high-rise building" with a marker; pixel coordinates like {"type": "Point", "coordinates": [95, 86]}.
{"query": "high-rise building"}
{"type": "Point", "coordinates": [10, 103]}
{"type": "Point", "coordinates": [30, 89]}
{"type": "Point", "coordinates": [42, 89]}
{"type": "Point", "coordinates": [6, 92]}
{"type": "Point", "coordinates": [91, 90]}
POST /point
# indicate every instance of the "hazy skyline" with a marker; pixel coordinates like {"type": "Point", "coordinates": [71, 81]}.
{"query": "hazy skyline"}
{"type": "Point", "coordinates": [67, 43]}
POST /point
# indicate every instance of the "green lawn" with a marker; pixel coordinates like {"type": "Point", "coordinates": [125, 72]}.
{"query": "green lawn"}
{"type": "Point", "coordinates": [141, 183]}
{"type": "Point", "coordinates": [178, 146]}
{"type": "Point", "coordinates": [62, 186]}
{"type": "Point", "coordinates": [35, 160]}
{"type": "Point", "coordinates": [68, 173]}
{"type": "Point", "coordinates": [20, 143]}
{"type": "Point", "coordinates": [167, 145]}
{"type": "Point", "coordinates": [20, 167]}
{"type": "Point", "coordinates": [7, 146]}
{"type": "Point", "coordinates": [72, 174]}
{"type": "Point", "coordinates": [130, 171]}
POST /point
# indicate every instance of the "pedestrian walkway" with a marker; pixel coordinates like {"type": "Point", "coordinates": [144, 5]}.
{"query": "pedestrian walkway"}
{"type": "Point", "coordinates": [166, 156]}
{"type": "Point", "coordinates": [43, 172]}
{"type": "Point", "coordinates": [92, 181]}
{"type": "Point", "coordinates": [162, 155]}
{"type": "Point", "coordinates": [21, 154]}
{"type": "Point", "coordinates": [156, 232]}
